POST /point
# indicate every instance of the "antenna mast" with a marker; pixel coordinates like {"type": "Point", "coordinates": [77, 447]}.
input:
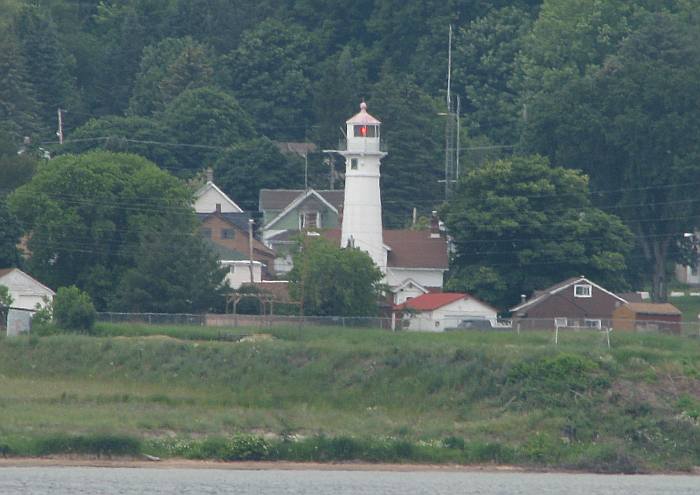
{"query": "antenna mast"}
{"type": "Point", "coordinates": [451, 129]}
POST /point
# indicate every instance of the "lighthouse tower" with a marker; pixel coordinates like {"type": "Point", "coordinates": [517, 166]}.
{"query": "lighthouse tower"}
{"type": "Point", "coordinates": [362, 208]}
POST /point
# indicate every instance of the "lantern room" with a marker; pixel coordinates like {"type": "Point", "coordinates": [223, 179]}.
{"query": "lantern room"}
{"type": "Point", "coordinates": [363, 131]}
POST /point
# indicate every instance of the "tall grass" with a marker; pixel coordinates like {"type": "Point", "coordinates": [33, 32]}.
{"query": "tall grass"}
{"type": "Point", "coordinates": [329, 394]}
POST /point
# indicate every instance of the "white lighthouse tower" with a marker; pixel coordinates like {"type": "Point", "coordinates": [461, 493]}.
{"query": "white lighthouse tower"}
{"type": "Point", "coordinates": [362, 208]}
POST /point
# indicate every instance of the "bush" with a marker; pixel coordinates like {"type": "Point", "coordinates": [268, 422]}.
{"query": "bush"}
{"type": "Point", "coordinates": [73, 310]}
{"type": "Point", "coordinates": [99, 445]}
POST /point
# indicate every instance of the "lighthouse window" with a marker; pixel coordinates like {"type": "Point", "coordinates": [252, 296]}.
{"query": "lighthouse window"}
{"type": "Point", "coordinates": [353, 163]}
{"type": "Point", "coordinates": [366, 131]}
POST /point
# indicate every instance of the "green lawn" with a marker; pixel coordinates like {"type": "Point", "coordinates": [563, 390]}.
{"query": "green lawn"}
{"type": "Point", "coordinates": [325, 394]}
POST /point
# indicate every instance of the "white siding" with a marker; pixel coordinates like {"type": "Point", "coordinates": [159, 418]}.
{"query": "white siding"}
{"type": "Point", "coordinates": [450, 315]}
{"type": "Point", "coordinates": [239, 272]}
{"type": "Point", "coordinates": [427, 277]}
{"type": "Point", "coordinates": [26, 292]}
{"type": "Point", "coordinates": [210, 197]}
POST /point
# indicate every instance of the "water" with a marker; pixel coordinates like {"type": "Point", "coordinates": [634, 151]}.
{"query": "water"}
{"type": "Point", "coordinates": [129, 481]}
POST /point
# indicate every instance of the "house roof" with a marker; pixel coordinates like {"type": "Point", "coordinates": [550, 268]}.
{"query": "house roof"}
{"type": "Point", "coordinates": [543, 295]}
{"type": "Point", "coordinates": [415, 249]}
{"type": "Point", "coordinates": [432, 301]}
{"type": "Point", "coordinates": [279, 199]}
{"type": "Point", "coordinates": [408, 248]}
{"type": "Point", "coordinates": [7, 271]}
{"type": "Point", "coordinates": [239, 220]}
{"type": "Point", "coordinates": [209, 186]}
{"type": "Point", "coordinates": [654, 308]}
{"type": "Point", "coordinates": [224, 253]}
{"type": "Point", "coordinates": [362, 117]}
{"type": "Point", "coordinates": [298, 201]}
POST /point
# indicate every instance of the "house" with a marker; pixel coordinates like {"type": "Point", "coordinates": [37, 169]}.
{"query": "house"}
{"type": "Point", "coordinates": [226, 227]}
{"type": "Point", "coordinates": [416, 261]}
{"type": "Point", "coordinates": [285, 212]}
{"type": "Point", "coordinates": [26, 291]}
{"type": "Point", "coordinates": [228, 235]}
{"type": "Point", "coordinates": [207, 197]}
{"type": "Point", "coordinates": [648, 316]}
{"type": "Point", "coordinates": [434, 312]}
{"type": "Point", "coordinates": [575, 302]}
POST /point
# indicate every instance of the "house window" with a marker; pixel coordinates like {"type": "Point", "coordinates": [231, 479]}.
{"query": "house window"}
{"type": "Point", "coordinates": [309, 220]}
{"type": "Point", "coordinates": [206, 232]}
{"type": "Point", "coordinates": [227, 233]}
{"type": "Point", "coordinates": [591, 323]}
{"type": "Point", "coordinates": [582, 290]}
{"type": "Point", "coordinates": [353, 163]}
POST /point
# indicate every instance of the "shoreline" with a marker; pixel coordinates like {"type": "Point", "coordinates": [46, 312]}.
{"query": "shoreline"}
{"type": "Point", "coordinates": [89, 462]}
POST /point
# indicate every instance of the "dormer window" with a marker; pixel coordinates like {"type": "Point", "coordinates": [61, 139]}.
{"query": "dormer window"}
{"type": "Point", "coordinates": [309, 220]}
{"type": "Point", "coordinates": [582, 290]}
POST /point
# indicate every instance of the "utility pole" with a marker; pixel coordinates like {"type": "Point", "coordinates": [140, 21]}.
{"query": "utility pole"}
{"type": "Point", "coordinates": [250, 248]}
{"type": "Point", "coordinates": [59, 133]}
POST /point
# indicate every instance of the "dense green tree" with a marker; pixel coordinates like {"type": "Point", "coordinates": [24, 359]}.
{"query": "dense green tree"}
{"type": "Point", "coordinates": [484, 64]}
{"type": "Point", "coordinates": [343, 83]}
{"type": "Point", "coordinates": [520, 225]}
{"type": "Point", "coordinates": [139, 135]}
{"type": "Point", "coordinates": [17, 164]}
{"type": "Point", "coordinates": [18, 104]}
{"type": "Point", "coordinates": [632, 123]}
{"type": "Point", "coordinates": [269, 75]}
{"type": "Point", "coordinates": [209, 119]}
{"type": "Point", "coordinates": [414, 134]}
{"type": "Point", "coordinates": [122, 30]}
{"type": "Point", "coordinates": [334, 282]}
{"type": "Point", "coordinates": [168, 68]}
{"type": "Point", "coordinates": [10, 232]}
{"type": "Point", "coordinates": [218, 23]}
{"type": "Point", "coordinates": [86, 214]}
{"type": "Point", "coordinates": [73, 310]}
{"type": "Point", "coordinates": [242, 170]}
{"type": "Point", "coordinates": [49, 67]}
{"type": "Point", "coordinates": [175, 271]}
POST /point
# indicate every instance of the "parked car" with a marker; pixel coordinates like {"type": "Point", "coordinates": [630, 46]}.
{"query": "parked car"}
{"type": "Point", "coordinates": [481, 324]}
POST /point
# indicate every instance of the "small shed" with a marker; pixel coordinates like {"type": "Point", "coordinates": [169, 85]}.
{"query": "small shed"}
{"type": "Point", "coordinates": [648, 317]}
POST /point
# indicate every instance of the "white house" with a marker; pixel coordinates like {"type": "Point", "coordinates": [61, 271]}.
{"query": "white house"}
{"type": "Point", "coordinates": [209, 198]}
{"type": "Point", "coordinates": [26, 292]}
{"type": "Point", "coordinates": [239, 272]}
{"type": "Point", "coordinates": [436, 311]}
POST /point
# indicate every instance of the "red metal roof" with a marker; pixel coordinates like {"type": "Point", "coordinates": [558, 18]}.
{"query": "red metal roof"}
{"type": "Point", "coordinates": [432, 300]}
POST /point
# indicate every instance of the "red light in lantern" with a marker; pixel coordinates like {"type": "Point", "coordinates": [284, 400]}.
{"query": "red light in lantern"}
{"type": "Point", "coordinates": [363, 130]}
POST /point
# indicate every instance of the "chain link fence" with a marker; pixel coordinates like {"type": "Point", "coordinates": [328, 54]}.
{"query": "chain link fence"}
{"type": "Point", "coordinates": [516, 326]}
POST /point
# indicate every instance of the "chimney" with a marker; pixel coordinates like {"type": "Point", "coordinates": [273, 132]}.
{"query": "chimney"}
{"type": "Point", "coordinates": [218, 208]}
{"type": "Point", "coordinates": [434, 226]}
{"type": "Point", "coordinates": [523, 298]}
{"type": "Point", "coordinates": [210, 174]}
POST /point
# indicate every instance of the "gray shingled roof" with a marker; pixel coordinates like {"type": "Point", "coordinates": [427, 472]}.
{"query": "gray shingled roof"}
{"type": "Point", "coordinates": [278, 199]}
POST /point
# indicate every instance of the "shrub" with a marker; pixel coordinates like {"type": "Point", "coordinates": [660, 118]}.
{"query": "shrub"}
{"type": "Point", "coordinates": [73, 310]}
{"type": "Point", "coordinates": [95, 444]}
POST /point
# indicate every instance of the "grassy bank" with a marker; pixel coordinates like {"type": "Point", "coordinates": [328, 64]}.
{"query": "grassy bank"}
{"type": "Point", "coordinates": [324, 394]}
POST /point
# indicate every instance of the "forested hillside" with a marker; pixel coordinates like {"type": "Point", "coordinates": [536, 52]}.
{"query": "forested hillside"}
{"type": "Point", "coordinates": [609, 87]}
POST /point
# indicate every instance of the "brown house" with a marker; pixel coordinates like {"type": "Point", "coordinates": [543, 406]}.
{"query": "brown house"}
{"type": "Point", "coordinates": [230, 231]}
{"type": "Point", "coordinates": [576, 302]}
{"type": "Point", "coordinates": [647, 316]}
